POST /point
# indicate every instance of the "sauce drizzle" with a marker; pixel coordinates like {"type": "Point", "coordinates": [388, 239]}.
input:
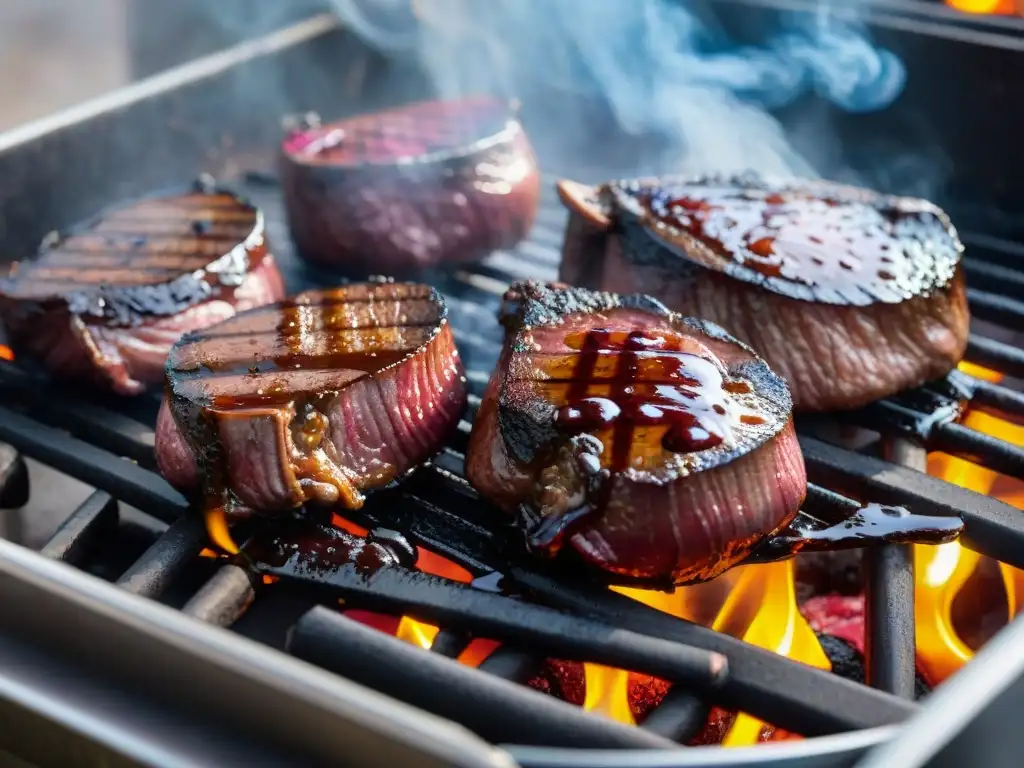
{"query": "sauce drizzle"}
{"type": "Point", "coordinates": [654, 398]}
{"type": "Point", "coordinates": [654, 385]}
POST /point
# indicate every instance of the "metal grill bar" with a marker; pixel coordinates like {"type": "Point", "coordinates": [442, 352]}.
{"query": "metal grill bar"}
{"type": "Point", "coordinates": [988, 451]}
{"type": "Point", "coordinates": [939, 432]}
{"type": "Point", "coordinates": [995, 308]}
{"type": "Point", "coordinates": [93, 466]}
{"type": "Point", "coordinates": [456, 606]}
{"type": "Point", "coordinates": [995, 355]}
{"type": "Point", "coordinates": [990, 396]}
{"type": "Point", "coordinates": [14, 486]}
{"type": "Point", "coordinates": [890, 650]}
{"type": "Point", "coordinates": [169, 555]}
{"type": "Point", "coordinates": [500, 711]}
{"type": "Point", "coordinates": [993, 250]}
{"type": "Point", "coordinates": [512, 664]}
{"type": "Point", "coordinates": [224, 598]}
{"type": "Point", "coordinates": [679, 717]}
{"type": "Point", "coordinates": [450, 643]}
{"type": "Point", "coordinates": [994, 278]}
{"type": "Point", "coordinates": [94, 520]}
{"type": "Point", "coordinates": [103, 427]}
{"type": "Point", "coordinates": [777, 690]}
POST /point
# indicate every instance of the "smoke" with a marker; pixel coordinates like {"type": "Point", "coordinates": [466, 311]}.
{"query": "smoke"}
{"type": "Point", "coordinates": [678, 93]}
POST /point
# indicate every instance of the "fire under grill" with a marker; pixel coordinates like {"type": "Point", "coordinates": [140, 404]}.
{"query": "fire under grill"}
{"type": "Point", "coordinates": [490, 625]}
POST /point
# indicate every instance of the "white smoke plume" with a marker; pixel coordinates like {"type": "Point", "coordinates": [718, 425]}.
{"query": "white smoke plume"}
{"type": "Point", "coordinates": [687, 97]}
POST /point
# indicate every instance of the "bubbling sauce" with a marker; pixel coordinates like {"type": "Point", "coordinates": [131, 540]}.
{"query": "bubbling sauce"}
{"type": "Point", "coordinates": [815, 241]}
{"type": "Point", "coordinates": [655, 385]}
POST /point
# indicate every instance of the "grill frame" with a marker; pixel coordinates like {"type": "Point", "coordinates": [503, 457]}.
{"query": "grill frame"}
{"type": "Point", "coordinates": [111, 426]}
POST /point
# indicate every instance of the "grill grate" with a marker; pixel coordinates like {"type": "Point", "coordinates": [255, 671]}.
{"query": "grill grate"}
{"type": "Point", "coordinates": [86, 437]}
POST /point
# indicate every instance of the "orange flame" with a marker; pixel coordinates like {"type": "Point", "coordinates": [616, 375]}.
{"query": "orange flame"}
{"type": "Point", "coordinates": [756, 603]}
{"type": "Point", "coordinates": [943, 570]}
{"type": "Point", "coordinates": [6, 353]}
{"type": "Point", "coordinates": [607, 692]}
{"type": "Point", "coordinates": [997, 7]}
{"type": "Point", "coordinates": [417, 632]}
{"type": "Point", "coordinates": [219, 531]}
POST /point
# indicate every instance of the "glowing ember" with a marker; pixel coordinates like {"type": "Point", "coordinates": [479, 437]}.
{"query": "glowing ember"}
{"type": "Point", "coordinates": [416, 632]}
{"type": "Point", "coordinates": [6, 353]}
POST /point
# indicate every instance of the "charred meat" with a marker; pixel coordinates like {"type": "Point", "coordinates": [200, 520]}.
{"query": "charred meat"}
{"type": "Point", "coordinates": [106, 300]}
{"type": "Point", "coordinates": [850, 295]}
{"type": "Point", "coordinates": [410, 187]}
{"type": "Point", "coordinates": [317, 399]}
{"type": "Point", "coordinates": [656, 447]}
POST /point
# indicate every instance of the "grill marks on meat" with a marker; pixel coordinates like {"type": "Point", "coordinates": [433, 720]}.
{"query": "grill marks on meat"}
{"type": "Point", "coordinates": [410, 187]}
{"type": "Point", "coordinates": [150, 242]}
{"type": "Point", "coordinates": [320, 398]}
{"type": "Point", "coordinates": [656, 447]}
{"type": "Point", "coordinates": [107, 299]}
{"type": "Point", "coordinates": [849, 295]}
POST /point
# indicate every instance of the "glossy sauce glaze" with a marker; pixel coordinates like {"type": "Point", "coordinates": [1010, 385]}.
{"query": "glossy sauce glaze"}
{"type": "Point", "coordinates": [657, 399]}
{"type": "Point", "coordinates": [403, 133]}
{"type": "Point", "coordinates": [818, 241]}
{"type": "Point", "coordinates": [654, 385]}
{"type": "Point", "coordinates": [871, 524]}
{"type": "Point", "coordinates": [303, 549]}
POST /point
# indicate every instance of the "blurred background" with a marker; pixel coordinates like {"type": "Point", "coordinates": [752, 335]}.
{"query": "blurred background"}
{"type": "Point", "coordinates": [55, 53]}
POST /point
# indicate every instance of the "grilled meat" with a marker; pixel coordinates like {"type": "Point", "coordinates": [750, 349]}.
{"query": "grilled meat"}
{"type": "Point", "coordinates": [106, 300]}
{"type": "Point", "coordinates": [848, 294]}
{"type": "Point", "coordinates": [410, 187]}
{"type": "Point", "coordinates": [657, 447]}
{"type": "Point", "coordinates": [320, 398]}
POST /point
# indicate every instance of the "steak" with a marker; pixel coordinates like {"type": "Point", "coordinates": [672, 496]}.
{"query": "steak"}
{"type": "Point", "coordinates": [848, 294]}
{"type": "Point", "coordinates": [410, 187]}
{"type": "Point", "coordinates": [657, 447]}
{"type": "Point", "coordinates": [106, 300]}
{"type": "Point", "coordinates": [317, 399]}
